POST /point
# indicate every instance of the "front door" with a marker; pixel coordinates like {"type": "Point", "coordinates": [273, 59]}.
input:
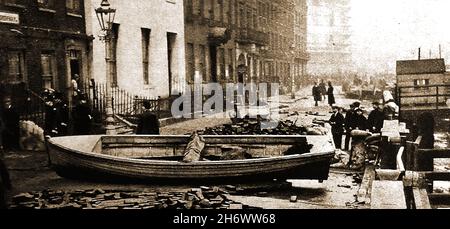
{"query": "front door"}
{"type": "Point", "coordinates": [75, 66]}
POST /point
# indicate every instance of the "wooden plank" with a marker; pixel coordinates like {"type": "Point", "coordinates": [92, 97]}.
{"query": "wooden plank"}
{"type": "Point", "coordinates": [366, 185]}
{"type": "Point", "coordinates": [388, 195]}
{"type": "Point", "coordinates": [436, 153]}
{"type": "Point", "coordinates": [421, 199]}
{"type": "Point", "coordinates": [439, 198]}
{"type": "Point", "coordinates": [438, 176]}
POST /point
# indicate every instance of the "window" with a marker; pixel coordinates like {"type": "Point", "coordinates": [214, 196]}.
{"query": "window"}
{"type": "Point", "coordinates": [48, 70]}
{"type": "Point", "coordinates": [241, 17]}
{"type": "Point", "coordinates": [189, 8]}
{"type": "Point", "coordinates": [16, 67]}
{"type": "Point", "coordinates": [47, 4]}
{"type": "Point", "coordinates": [210, 9]}
{"type": "Point", "coordinates": [203, 63]}
{"type": "Point", "coordinates": [190, 62]}
{"type": "Point", "coordinates": [421, 83]}
{"type": "Point", "coordinates": [230, 64]}
{"type": "Point", "coordinates": [145, 54]}
{"type": "Point", "coordinates": [222, 62]}
{"type": "Point", "coordinates": [73, 6]}
{"type": "Point", "coordinates": [201, 8]}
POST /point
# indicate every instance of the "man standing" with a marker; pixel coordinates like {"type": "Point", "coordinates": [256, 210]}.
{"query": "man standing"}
{"type": "Point", "coordinates": [148, 121]}
{"type": "Point", "coordinates": [82, 118]}
{"type": "Point", "coordinates": [349, 125]}
{"type": "Point", "coordinates": [11, 130]}
{"type": "Point", "coordinates": [323, 90]}
{"type": "Point", "coordinates": [316, 94]}
{"type": "Point", "coordinates": [330, 92]}
{"type": "Point", "coordinates": [337, 122]}
{"type": "Point", "coordinates": [376, 118]}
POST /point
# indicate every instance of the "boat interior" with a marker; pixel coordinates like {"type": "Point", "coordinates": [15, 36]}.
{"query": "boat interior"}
{"type": "Point", "coordinates": [172, 148]}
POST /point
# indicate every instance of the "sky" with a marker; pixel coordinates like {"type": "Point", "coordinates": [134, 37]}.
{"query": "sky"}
{"type": "Point", "coordinates": [384, 31]}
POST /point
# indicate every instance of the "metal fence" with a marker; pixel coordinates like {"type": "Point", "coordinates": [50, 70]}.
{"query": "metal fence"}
{"type": "Point", "coordinates": [125, 104]}
{"type": "Point", "coordinates": [33, 108]}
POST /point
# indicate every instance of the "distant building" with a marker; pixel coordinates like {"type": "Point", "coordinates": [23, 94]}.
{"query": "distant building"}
{"type": "Point", "coordinates": [43, 44]}
{"type": "Point", "coordinates": [329, 37]}
{"type": "Point", "coordinates": [246, 41]}
{"type": "Point", "coordinates": [424, 86]}
{"type": "Point", "coordinates": [422, 78]}
{"type": "Point", "coordinates": [148, 48]}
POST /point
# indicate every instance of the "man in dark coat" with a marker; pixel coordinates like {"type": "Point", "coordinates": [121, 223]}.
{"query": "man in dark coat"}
{"type": "Point", "coordinates": [11, 125]}
{"type": "Point", "coordinates": [62, 114]}
{"type": "Point", "coordinates": [82, 117]}
{"type": "Point", "coordinates": [323, 90]}
{"type": "Point", "coordinates": [376, 118]}
{"type": "Point", "coordinates": [337, 122]}
{"type": "Point", "coordinates": [317, 94]}
{"type": "Point", "coordinates": [330, 93]}
{"type": "Point", "coordinates": [360, 120]}
{"type": "Point", "coordinates": [148, 121]}
{"type": "Point", "coordinates": [349, 125]}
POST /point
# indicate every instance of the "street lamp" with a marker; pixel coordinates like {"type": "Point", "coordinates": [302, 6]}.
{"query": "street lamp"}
{"type": "Point", "coordinates": [105, 15]}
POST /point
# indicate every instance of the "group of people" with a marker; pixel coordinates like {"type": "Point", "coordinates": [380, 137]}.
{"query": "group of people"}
{"type": "Point", "coordinates": [57, 119]}
{"type": "Point", "coordinates": [320, 93]}
{"type": "Point", "coordinates": [355, 120]}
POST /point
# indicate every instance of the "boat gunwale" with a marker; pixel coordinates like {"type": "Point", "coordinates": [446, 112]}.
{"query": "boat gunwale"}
{"type": "Point", "coordinates": [199, 163]}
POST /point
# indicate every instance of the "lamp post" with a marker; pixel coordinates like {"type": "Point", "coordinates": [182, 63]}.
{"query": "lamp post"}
{"type": "Point", "coordinates": [105, 15]}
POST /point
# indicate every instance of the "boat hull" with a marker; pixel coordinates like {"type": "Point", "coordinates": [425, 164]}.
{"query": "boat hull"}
{"type": "Point", "coordinates": [81, 163]}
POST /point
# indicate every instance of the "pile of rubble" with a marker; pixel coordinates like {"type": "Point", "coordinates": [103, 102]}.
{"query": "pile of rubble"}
{"type": "Point", "coordinates": [253, 127]}
{"type": "Point", "coordinates": [196, 198]}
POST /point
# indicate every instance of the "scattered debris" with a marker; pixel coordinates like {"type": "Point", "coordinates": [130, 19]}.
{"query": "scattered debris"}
{"type": "Point", "coordinates": [197, 198]}
{"type": "Point", "coordinates": [253, 127]}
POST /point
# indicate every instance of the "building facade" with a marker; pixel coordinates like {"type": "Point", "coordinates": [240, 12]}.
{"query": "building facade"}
{"type": "Point", "coordinates": [329, 37]}
{"type": "Point", "coordinates": [245, 41]}
{"type": "Point", "coordinates": [148, 46]}
{"type": "Point", "coordinates": [43, 44]}
{"type": "Point", "coordinates": [423, 78]}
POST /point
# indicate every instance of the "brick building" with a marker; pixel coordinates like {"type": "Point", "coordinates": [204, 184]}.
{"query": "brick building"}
{"type": "Point", "coordinates": [245, 41]}
{"type": "Point", "coordinates": [43, 43]}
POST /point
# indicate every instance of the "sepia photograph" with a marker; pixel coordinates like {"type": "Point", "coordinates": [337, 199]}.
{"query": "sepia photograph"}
{"type": "Point", "coordinates": [225, 105]}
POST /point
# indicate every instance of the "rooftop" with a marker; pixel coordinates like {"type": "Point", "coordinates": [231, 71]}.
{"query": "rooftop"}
{"type": "Point", "coordinates": [426, 66]}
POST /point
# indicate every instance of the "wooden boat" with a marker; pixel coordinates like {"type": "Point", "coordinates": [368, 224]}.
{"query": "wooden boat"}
{"type": "Point", "coordinates": [159, 157]}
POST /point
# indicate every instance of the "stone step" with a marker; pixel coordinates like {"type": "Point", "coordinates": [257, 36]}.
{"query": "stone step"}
{"type": "Point", "coordinates": [388, 195]}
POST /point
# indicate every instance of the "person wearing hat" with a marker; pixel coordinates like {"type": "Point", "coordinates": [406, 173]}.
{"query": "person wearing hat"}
{"type": "Point", "coordinates": [10, 131]}
{"type": "Point", "coordinates": [316, 94]}
{"type": "Point", "coordinates": [349, 125]}
{"type": "Point", "coordinates": [82, 117]}
{"type": "Point", "coordinates": [337, 122]}
{"type": "Point", "coordinates": [148, 121]}
{"type": "Point", "coordinates": [375, 121]}
{"type": "Point", "coordinates": [360, 120]}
